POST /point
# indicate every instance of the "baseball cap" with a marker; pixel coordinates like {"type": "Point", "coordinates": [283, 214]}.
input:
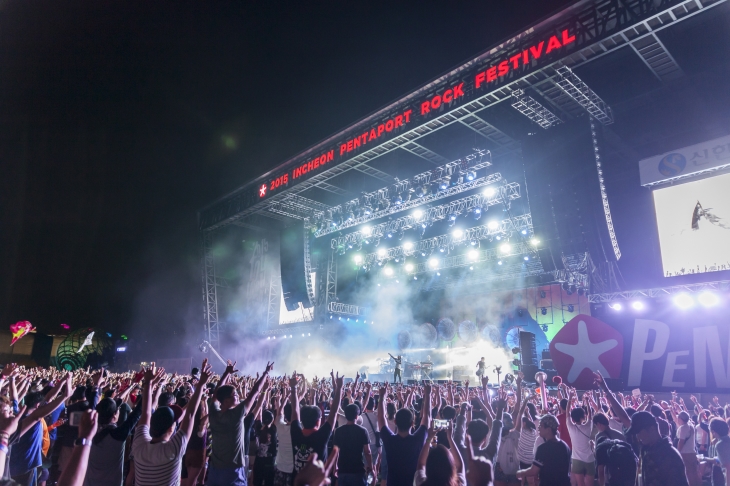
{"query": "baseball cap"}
{"type": "Point", "coordinates": [641, 421]}
{"type": "Point", "coordinates": [162, 419]}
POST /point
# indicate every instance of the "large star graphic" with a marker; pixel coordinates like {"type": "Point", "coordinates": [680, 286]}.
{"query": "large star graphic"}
{"type": "Point", "coordinates": [262, 190]}
{"type": "Point", "coordinates": [585, 354]}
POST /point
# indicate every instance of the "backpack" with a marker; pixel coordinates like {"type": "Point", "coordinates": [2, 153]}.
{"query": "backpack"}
{"type": "Point", "coordinates": [622, 463]}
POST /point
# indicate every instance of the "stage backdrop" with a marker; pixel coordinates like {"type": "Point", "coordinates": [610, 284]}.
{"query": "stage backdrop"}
{"type": "Point", "coordinates": [660, 348]}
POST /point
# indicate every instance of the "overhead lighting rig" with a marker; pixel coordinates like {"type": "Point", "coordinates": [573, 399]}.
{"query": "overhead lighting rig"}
{"type": "Point", "coordinates": [533, 110]}
{"type": "Point", "coordinates": [497, 194]}
{"type": "Point", "coordinates": [491, 230]}
{"type": "Point", "coordinates": [407, 193]}
{"type": "Point", "coordinates": [474, 257]}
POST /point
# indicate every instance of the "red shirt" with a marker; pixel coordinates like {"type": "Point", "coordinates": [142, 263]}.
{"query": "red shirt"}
{"type": "Point", "coordinates": [563, 429]}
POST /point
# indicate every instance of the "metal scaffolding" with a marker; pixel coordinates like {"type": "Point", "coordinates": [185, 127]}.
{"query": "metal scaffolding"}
{"type": "Point", "coordinates": [210, 293]}
{"type": "Point", "coordinates": [274, 301]}
{"type": "Point", "coordinates": [533, 110]}
{"type": "Point", "coordinates": [719, 286]}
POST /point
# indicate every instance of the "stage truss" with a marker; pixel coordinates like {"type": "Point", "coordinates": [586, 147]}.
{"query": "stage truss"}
{"type": "Point", "coordinates": [605, 26]}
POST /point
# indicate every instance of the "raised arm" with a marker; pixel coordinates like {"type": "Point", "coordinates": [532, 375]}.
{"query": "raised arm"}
{"type": "Point", "coordinates": [336, 398]}
{"type": "Point", "coordinates": [206, 371]}
{"type": "Point", "coordinates": [75, 471]}
{"type": "Point", "coordinates": [153, 376]}
{"type": "Point", "coordinates": [64, 387]}
{"type": "Point", "coordinates": [616, 407]}
{"type": "Point", "coordinates": [257, 387]}
{"type": "Point", "coordinates": [294, 398]}
{"type": "Point", "coordinates": [426, 406]}
{"type": "Point", "coordinates": [381, 407]}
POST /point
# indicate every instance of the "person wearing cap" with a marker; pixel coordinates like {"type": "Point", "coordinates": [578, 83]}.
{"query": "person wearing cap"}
{"type": "Point", "coordinates": [106, 457]}
{"type": "Point", "coordinates": [157, 448]}
{"type": "Point", "coordinates": [660, 463]}
{"type": "Point", "coordinates": [552, 458]}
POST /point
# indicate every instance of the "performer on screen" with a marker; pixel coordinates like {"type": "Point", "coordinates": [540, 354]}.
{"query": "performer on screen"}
{"type": "Point", "coordinates": [396, 373]}
{"type": "Point", "coordinates": [481, 365]}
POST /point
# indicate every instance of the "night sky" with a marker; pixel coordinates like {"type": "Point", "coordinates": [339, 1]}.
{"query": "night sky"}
{"type": "Point", "coordinates": [121, 119]}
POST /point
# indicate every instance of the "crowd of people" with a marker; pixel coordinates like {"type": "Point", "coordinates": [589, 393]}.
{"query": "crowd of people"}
{"type": "Point", "coordinates": [152, 428]}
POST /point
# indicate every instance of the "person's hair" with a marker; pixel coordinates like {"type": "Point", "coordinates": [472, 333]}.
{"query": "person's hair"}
{"type": "Point", "coordinates": [564, 404]}
{"type": "Point", "coordinates": [532, 410]}
{"type": "Point", "coordinates": [224, 392]}
{"type": "Point", "coordinates": [683, 416]}
{"type": "Point", "coordinates": [359, 406]}
{"type": "Point", "coordinates": [448, 412]}
{"type": "Point", "coordinates": [181, 401]}
{"type": "Point", "coordinates": [719, 427]}
{"type": "Point", "coordinates": [720, 412]}
{"type": "Point", "coordinates": [264, 432]}
{"type": "Point", "coordinates": [404, 419]}
{"type": "Point", "coordinates": [527, 423]}
{"type": "Point", "coordinates": [477, 430]}
{"type": "Point", "coordinates": [577, 414]}
{"type": "Point", "coordinates": [630, 411]}
{"type": "Point", "coordinates": [106, 408]}
{"type": "Point", "coordinates": [390, 410]}
{"type": "Point", "coordinates": [344, 402]}
{"type": "Point", "coordinates": [79, 393]}
{"type": "Point", "coordinates": [657, 411]}
{"type": "Point", "coordinates": [600, 418]}
{"type": "Point", "coordinates": [351, 412]}
{"type": "Point", "coordinates": [371, 404]}
{"type": "Point", "coordinates": [287, 412]}
{"type": "Point", "coordinates": [33, 398]}
{"type": "Point", "coordinates": [440, 468]}
{"type": "Point", "coordinates": [309, 415]}
{"type": "Point", "coordinates": [166, 399]}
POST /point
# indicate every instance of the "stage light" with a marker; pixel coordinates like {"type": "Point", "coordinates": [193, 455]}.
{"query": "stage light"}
{"type": "Point", "coordinates": [526, 258]}
{"type": "Point", "coordinates": [457, 233]}
{"type": "Point", "coordinates": [368, 210]}
{"type": "Point", "coordinates": [708, 299]}
{"type": "Point", "coordinates": [471, 268]}
{"type": "Point", "coordinates": [474, 242]}
{"type": "Point", "coordinates": [535, 242]}
{"type": "Point", "coordinates": [274, 337]}
{"type": "Point", "coordinates": [268, 338]}
{"type": "Point", "coordinates": [438, 274]}
{"type": "Point", "coordinates": [415, 278]}
{"type": "Point", "coordinates": [637, 305]}
{"type": "Point", "coordinates": [543, 311]}
{"type": "Point", "coordinates": [417, 214]}
{"type": "Point", "coordinates": [397, 281]}
{"type": "Point", "coordinates": [399, 199]}
{"type": "Point", "coordinates": [390, 235]}
{"type": "Point", "coordinates": [571, 289]}
{"type": "Point", "coordinates": [366, 230]}
{"type": "Point", "coordinates": [382, 252]}
{"type": "Point", "coordinates": [617, 306]}
{"type": "Point", "coordinates": [493, 225]}
{"type": "Point", "coordinates": [290, 336]}
{"type": "Point", "coordinates": [524, 231]}
{"type": "Point", "coordinates": [473, 254]}
{"type": "Point", "coordinates": [581, 291]}
{"type": "Point", "coordinates": [499, 262]}
{"type": "Point", "coordinates": [571, 308]}
{"type": "Point", "coordinates": [302, 334]}
{"type": "Point", "coordinates": [471, 175]}
{"type": "Point", "coordinates": [284, 336]}
{"type": "Point", "coordinates": [433, 263]}
{"type": "Point", "coordinates": [505, 248]}
{"type": "Point", "coordinates": [442, 249]}
{"type": "Point", "coordinates": [357, 259]}
{"type": "Point", "coordinates": [388, 271]}
{"type": "Point", "coordinates": [489, 191]}
{"type": "Point", "coordinates": [408, 245]}
{"type": "Point", "coordinates": [542, 294]}
{"type": "Point", "coordinates": [309, 334]}
{"type": "Point", "coordinates": [409, 267]}
{"type": "Point", "coordinates": [477, 213]}
{"type": "Point", "coordinates": [350, 216]}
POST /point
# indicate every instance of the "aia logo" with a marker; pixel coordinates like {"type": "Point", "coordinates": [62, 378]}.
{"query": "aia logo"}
{"type": "Point", "coordinates": [584, 345]}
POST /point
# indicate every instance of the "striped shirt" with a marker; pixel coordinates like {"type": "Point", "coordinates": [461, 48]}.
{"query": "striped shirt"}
{"type": "Point", "coordinates": [526, 447]}
{"type": "Point", "coordinates": [157, 464]}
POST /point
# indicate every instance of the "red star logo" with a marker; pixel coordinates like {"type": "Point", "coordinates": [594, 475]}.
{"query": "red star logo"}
{"type": "Point", "coordinates": [262, 190]}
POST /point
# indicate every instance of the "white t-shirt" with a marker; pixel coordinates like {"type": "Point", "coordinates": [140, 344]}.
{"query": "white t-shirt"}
{"type": "Point", "coordinates": [284, 452]}
{"type": "Point", "coordinates": [686, 432]}
{"type": "Point", "coordinates": [580, 437]}
{"type": "Point", "coordinates": [158, 464]}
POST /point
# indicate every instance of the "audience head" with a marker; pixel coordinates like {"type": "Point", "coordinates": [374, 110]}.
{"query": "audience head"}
{"type": "Point", "coordinates": [107, 411]}
{"type": "Point", "coordinates": [478, 431]}
{"type": "Point", "coordinates": [162, 423]}
{"type": "Point", "coordinates": [311, 416]}
{"type": "Point", "coordinates": [440, 467]}
{"type": "Point", "coordinates": [719, 427]}
{"type": "Point", "coordinates": [404, 420]}
{"type": "Point", "coordinates": [578, 415]}
{"type": "Point", "coordinates": [351, 412]}
{"type": "Point", "coordinates": [227, 396]}
{"type": "Point", "coordinates": [600, 421]}
{"type": "Point", "coordinates": [645, 427]}
{"type": "Point", "coordinates": [548, 428]}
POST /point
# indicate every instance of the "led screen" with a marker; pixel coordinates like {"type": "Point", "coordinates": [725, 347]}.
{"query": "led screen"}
{"type": "Point", "coordinates": [694, 226]}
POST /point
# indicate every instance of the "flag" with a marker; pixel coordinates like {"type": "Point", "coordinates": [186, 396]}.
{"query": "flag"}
{"type": "Point", "coordinates": [20, 329]}
{"type": "Point", "coordinates": [87, 341]}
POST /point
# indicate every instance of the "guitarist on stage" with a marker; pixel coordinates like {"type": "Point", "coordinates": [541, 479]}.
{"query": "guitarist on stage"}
{"type": "Point", "coordinates": [396, 373]}
{"type": "Point", "coordinates": [480, 367]}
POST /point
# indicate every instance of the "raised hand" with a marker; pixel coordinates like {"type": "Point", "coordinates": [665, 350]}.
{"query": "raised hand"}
{"type": "Point", "coordinates": [269, 367]}
{"type": "Point", "coordinates": [206, 371]}
{"type": "Point", "coordinates": [231, 367]}
{"type": "Point", "coordinates": [150, 372]}
{"type": "Point", "coordinates": [9, 369]}
{"type": "Point", "coordinates": [293, 381]}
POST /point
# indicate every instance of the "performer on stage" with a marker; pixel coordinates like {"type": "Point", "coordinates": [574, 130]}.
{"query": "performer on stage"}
{"type": "Point", "coordinates": [481, 365]}
{"type": "Point", "coordinates": [398, 361]}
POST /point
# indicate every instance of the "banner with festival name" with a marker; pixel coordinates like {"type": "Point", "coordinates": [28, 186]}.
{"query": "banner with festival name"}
{"type": "Point", "coordinates": [660, 348]}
